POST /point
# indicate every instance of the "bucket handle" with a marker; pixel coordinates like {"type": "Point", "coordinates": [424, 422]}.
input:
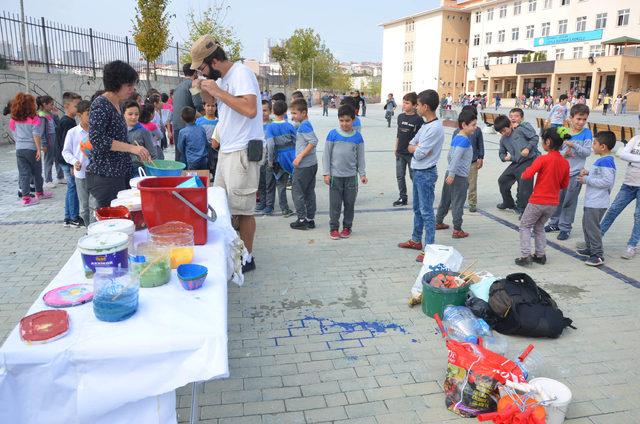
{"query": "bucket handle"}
{"type": "Point", "coordinates": [191, 206]}
{"type": "Point", "coordinates": [141, 172]}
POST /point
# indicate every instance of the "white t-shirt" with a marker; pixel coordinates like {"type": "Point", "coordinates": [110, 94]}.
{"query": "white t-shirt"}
{"type": "Point", "coordinates": [235, 129]}
{"type": "Point", "coordinates": [72, 150]}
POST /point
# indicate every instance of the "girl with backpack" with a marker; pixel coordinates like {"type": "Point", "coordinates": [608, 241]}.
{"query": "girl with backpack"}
{"type": "Point", "coordinates": [553, 176]}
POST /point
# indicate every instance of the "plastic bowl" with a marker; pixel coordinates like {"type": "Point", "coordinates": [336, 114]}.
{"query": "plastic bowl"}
{"type": "Point", "coordinates": [192, 276]}
{"type": "Point", "coordinates": [165, 168]}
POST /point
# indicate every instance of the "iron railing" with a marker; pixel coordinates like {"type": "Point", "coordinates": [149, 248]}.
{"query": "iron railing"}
{"type": "Point", "coordinates": [56, 47]}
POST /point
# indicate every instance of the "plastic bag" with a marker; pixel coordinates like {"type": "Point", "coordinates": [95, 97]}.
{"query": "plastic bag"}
{"type": "Point", "coordinates": [473, 376]}
{"type": "Point", "coordinates": [436, 258]}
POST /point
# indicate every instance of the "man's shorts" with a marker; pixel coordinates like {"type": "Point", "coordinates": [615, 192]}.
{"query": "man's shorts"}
{"type": "Point", "coordinates": [239, 177]}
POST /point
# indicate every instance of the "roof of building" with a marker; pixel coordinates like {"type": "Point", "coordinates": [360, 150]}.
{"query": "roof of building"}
{"type": "Point", "coordinates": [421, 14]}
{"type": "Point", "coordinates": [622, 41]}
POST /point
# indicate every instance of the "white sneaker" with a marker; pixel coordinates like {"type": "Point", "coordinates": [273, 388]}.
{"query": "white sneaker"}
{"type": "Point", "coordinates": [50, 185]}
{"type": "Point", "coordinates": [629, 253]}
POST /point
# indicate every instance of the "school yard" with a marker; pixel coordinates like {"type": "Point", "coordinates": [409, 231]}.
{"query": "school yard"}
{"type": "Point", "coordinates": [321, 332]}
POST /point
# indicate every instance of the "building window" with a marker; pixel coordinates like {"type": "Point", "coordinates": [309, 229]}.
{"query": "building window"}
{"type": "Point", "coordinates": [409, 26]}
{"type": "Point", "coordinates": [581, 23]}
{"type": "Point", "coordinates": [577, 52]}
{"type": "Point", "coordinates": [515, 34]}
{"type": "Point", "coordinates": [499, 61]}
{"type": "Point", "coordinates": [476, 40]}
{"type": "Point", "coordinates": [474, 62]}
{"type": "Point", "coordinates": [530, 31]}
{"type": "Point", "coordinates": [619, 50]}
{"type": "Point", "coordinates": [486, 61]}
{"type": "Point", "coordinates": [532, 5]}
{"type": "Point", "coordinates": [559, 54]}
{"type": "Point", "coordinates": [546, 28]}
{"type": "Point", "coordinates": [601, 20]}
{"type": "Point", "coordinates": [565, 2]}
{"type": "Point", "coordinates": [623, 17]}
{"type": "Point", "coordinates": [490, 14]}
{"type": "Point", "coordinates": [478, 16]}
{"type": "Point", "coordinates": [517, 8]}
{"type": "Point", "coordinates": [501, 36]}
{"type": "Point", "coordinates": [597, 50]}
{"type": "Point", "coordinates": [503, 11]}
{"type": "Point", "coordinates": [548, 4]}
{"type": "Point", "coordinates": [562, 26]}
{"type": "Point", "coordinates": [487, 38]}
{"type": "Point", "coordinates": [513, 58]}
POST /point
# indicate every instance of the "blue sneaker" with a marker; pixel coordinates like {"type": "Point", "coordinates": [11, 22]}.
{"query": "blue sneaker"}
{"type": "Point", "coordinates": [267, 211]}
{"type": "Point", "coordinates": [563, 235]}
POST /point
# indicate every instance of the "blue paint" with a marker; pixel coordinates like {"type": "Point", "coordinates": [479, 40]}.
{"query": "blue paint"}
{"type": "Point", "coordinates": [374, 327]}
{"type": "Point", "coordinates": [414, 341]}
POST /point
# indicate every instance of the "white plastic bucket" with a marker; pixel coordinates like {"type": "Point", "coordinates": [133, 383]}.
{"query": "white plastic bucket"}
{"type": "Point", "coordinates": [557, 409]}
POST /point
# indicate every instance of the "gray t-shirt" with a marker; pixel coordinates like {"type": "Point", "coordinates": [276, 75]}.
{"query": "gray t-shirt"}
{"type": "Point", "coordinates": [182, 98]}
{"type": "Point", "coordinates": [305, 136]}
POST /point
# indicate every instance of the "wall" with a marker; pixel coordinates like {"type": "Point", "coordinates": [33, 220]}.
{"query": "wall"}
{"type": "Point", "coordinates": [453, 52]}
{"type": "Point", "coordinates": [428, 45]}
{"type": "Point", "coordinates": [393, 37]}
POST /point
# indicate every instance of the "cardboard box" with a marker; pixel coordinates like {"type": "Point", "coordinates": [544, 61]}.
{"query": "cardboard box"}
{"type": "Point", "coordinates": [199, 173]}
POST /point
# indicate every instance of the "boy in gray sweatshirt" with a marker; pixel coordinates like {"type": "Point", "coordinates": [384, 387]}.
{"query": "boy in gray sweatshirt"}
{"type": "Point", "coordinates": [599, 181]}
{"type": "Point", "coordinates": [576, 151]}
{"type": "Point", "coordinates": [342, 162]}
{"type": "Point", "coordinates": [456, 183]}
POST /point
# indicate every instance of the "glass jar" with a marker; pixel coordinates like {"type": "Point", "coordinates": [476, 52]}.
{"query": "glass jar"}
{"type": "Point", "coordinates": [178, 236]}
{"type": "Point", "coordinates": [115, 294]}
{"type": "Point", "coordinates": [151, 264]}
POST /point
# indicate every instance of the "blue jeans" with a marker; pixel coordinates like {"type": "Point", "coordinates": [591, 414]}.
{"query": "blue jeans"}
{"type": "Point", "coordinates": [71, 203]}
{"type": "Point", "coordinates": [424, 219]}
{"type": "Point", "coordinates": [626, 195]}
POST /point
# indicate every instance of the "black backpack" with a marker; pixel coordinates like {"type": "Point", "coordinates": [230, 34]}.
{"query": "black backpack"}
{"type": "Point", "coordinates": [524, 309]}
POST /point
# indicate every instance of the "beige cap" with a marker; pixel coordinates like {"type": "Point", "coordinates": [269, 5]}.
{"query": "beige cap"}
{"type": "Point", "coordinates": [202, 48]}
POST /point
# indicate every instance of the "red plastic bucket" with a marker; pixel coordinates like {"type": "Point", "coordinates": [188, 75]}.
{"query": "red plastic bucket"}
{"type": "Point", "coordinates": [112, 212]}
{"type": "Point", "coordinates": [163, 202]}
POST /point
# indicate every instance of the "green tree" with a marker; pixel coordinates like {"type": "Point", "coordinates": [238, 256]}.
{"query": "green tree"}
{"type": "Point", "coordinates": [303, 47]}
{"type": "Point", "coordinates": [211, 21]}
{"type": "Point", "coordinates": [151, 30]}
{"type": "Point", "coordinates": [281, 55]}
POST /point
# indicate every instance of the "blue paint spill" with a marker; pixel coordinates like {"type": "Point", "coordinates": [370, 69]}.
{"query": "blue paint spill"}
{"type": "Point", "coordinates": [375, 327]}
{"type": "Point", "coordinates": [352, 358]}
{"type": "Point", "coordinates": [414, 341]}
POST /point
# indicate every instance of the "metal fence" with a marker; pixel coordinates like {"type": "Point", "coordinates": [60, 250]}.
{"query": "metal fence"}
{"type": "Point", "coordinates": [56, 47]}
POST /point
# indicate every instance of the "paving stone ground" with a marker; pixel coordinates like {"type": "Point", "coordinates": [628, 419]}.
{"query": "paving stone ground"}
{"type": "Point", "coordinates": [321, 332]}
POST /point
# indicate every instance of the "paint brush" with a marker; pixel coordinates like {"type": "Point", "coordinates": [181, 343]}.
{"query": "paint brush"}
{"type": "Point", "coordinates": [150, 160]}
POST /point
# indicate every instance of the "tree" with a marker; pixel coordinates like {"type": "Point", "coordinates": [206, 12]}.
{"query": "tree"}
{"type": "Point", "coordinates": [303, 46]}
{"type": "Point", "coordinates": [151, 30]}
{"type": "Point", "coordinates": [281, 55]}
{"type": "Point", "coordinates": [211, 21]}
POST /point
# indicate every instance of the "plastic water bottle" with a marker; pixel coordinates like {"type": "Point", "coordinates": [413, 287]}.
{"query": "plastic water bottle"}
{"type": "Point", "coordinates": [531, 364]}
{"type": "Point", "coordinates": [496, 344]}
{"type": "Point", "coordinates": [463, 325]}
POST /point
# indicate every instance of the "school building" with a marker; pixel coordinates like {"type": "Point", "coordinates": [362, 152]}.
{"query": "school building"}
{"type": "Point", "coordinates": [516, 47]}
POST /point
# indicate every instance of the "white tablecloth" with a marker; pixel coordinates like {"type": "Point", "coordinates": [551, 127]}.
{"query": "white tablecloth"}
{"type": "Point", "coordinates": [124, 372]}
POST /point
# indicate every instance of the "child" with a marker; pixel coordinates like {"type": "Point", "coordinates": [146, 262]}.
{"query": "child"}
{"type": "Point", "coordinates": [74, 156]}
{"type": "Point", "coordinates": [192, 141]}
{"type": "Point", "coordinates": [552, 175]}
{"type": "Point", "coordinates": [456, 183]}
{"type": "Point", "coordinates": [306, 168]}
{"type": "Point", "coordinates": [137, 134]}
{"type": "Point", "coordinates": [48, 137]}
{"type": "Point", "coordinates": [518, 145]}
{"type": "Point", "coordinates": [281, 146]}
{"type": "Point", "coordinates": [27, 129]}
{"type": "Point", "coordinates": [146, 120]}
{"type": "Point", "coordinates": [68, 121]}
{"type": "Point", "coordinates": [599, 182]}
{"type": "Point", "coordinates": [209, 122]}
{"type": "Point", "coordinates": [409, 122]}
{"type": "Point", "coordinates": [558, 113]}
{"type": "Point", "coordinates": [349, 100]}
{"type": "Point", "coordinates": [477, 161]}
{"type": "Point", "coordinates": [389, 108]}
{"type": "Point", "coordinates": [606, 103]}
{"type": "Point", "coordinates": [262, 184]}
{"type": "Point", "coordinates": [342, 162]}
{"type": "Point", "coordinates": [576, 151]}
{"type": "Point", "coordinates": [426, 147]}
{"type": "Point", "coordinates": [629, 191]}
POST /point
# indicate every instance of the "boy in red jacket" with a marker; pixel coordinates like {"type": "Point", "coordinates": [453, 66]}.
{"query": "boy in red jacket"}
{"type": "Point", "coordinates": [553, 176]}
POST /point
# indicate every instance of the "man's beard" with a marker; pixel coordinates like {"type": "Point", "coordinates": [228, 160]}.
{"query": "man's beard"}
{"type": "Point", "coordinates": [214, 74]}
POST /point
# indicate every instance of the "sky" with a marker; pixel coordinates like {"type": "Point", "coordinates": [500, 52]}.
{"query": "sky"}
{"type": "Point", "coordinates": [350, 29]}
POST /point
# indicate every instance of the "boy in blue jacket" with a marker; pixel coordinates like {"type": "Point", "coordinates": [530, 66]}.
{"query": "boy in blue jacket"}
{"type": "Point", "coordinates": [192, 141]}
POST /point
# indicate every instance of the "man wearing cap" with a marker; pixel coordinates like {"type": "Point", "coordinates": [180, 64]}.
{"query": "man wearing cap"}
{"type": "Point", "coordinates": [241, 136]}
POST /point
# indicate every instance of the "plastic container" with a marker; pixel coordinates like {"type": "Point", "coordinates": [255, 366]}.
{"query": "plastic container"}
{"type": "Point", "coordinates": [118, 212]}
{"type": "Point", "coordinates": [530, 365]}
{"type": "Point", "coordinates": [462, 325]}
{"type": "Point", "coordinates": [135, 210]}
{"type": "Point", "coordinates": [557, 409]}
{"type": "Point", "coordinates": [496, 344]}
{"type": "Point", "coordinates": [164, 168]}
{"type": "Point", "coordinates": [151, 264]}
{"type": "Point", "coordinates": [160, 205]}
{"type": "Point", "coordinates": [178, 237]}
{"type": "Point", "coordinates": [115, 294]}
{"type": "Point", "coordinates": [104, 250]}
{"type": "Point", "coordinates": [192, 276]}
{"type": "Point", "coordinates": [114, 226]}
{"type": "Point", "coordinates": [435, 299]}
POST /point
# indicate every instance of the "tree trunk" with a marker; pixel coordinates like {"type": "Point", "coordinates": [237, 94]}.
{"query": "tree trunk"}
{"type": "Point", "coordinates": [148, 75]}
{"type": "Point", "coordinates": [155, 72]}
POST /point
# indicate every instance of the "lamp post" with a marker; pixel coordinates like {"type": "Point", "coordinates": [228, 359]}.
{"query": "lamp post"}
{"type": "Point", "coordinates": [25, 53]}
